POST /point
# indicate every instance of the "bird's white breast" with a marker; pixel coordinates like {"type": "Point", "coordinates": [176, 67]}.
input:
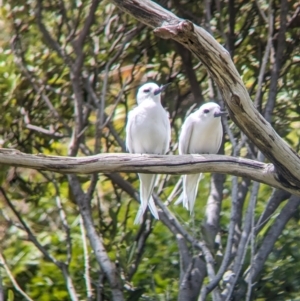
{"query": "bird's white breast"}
{"type": "Point", "coordinates": [150, 129]}
{"type": "Point", "coordinates": [206, 137]}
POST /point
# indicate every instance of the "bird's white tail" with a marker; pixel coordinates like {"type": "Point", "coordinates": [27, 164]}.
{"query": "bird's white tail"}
{"type": "Point", "coordinates": [147, 182]}
{"type": "Point", "coordinates": [152, 208]}
{"type": "Point", "coordinates": [190, 189]}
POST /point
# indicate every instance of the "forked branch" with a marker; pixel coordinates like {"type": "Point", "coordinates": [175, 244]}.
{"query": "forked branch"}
{"type": "Point", "coordinates": [158, 164]}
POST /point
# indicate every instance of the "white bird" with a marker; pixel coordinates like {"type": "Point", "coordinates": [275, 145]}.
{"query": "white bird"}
{"type": "Point", "coordinates": [201, 133]}
{"type": "Point", "coordinates": [148, 131]}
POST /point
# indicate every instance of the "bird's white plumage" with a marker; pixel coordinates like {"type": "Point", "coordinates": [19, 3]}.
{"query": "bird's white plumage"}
{"type": "Point", "coordinates": [201, 133]}
{"type": "Point", "coordinates": [148, 131]}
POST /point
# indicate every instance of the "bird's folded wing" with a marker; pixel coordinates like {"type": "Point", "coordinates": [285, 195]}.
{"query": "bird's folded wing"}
{"type": "Point", "coordinates": [185, 136]}
{"type": "Point", "coordinates": [130, 124]}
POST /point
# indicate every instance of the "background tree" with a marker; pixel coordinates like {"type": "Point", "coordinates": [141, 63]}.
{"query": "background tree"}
{"type": "Point", "coordinates": [69, 74]}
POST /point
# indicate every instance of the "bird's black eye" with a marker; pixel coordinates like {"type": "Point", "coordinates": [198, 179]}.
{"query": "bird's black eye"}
{"type": "Point", "coordinates": [146, 90]}
{"type": "Point", "coordinates": [206, 111]}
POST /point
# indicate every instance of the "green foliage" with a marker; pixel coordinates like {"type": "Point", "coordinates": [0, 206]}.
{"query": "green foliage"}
{"type": "Point", "coordinates": [39, 113]}
{"type": "Point", "coordinates": [273, 283]}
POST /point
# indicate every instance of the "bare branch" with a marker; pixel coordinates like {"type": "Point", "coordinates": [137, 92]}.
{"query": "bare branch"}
{"type": "Point", "coordinates": [31, 236]}
{"type": "Point", "coordinates": [262, 13]}
{"type": "Point", "coordinates": [175, 227]}
{"type": "Point", "coordinates": [62, 266]}
{"type": "Point", "coordinates": [47, 36]}
{"type": "Point", "coordinates": [41, 130]}
{"type": "Point", "coordinates": [213, 208]}
{"type": "Point", "coordinates": [186, 57]}
{"type": "Point", "coordinates": [69, 283]}
{"type": "Point", "coordinates": [275, 73]}
{"type": "Point", "coordinates": [160, 164]}
{"type": "Point", "coordinates": [277, 197]}
{"type": "Point", "coordinates": [266, 55]}
{"type": "Point", "coordinates": [192, 280]}
{"type": "Point", "coordinates": [230, 240]}
{"type": "Point", "coordinates": [231, 36]}
{"type": "Point", "coordinates": [12, 279]}
{"type": "Point", "coordinates": [63, 217]}
{"type": "Point", "coordinates": [101, 105]}
{"type": "Point", "coordinates": [144, 232]}
{"type": "Point", "coordinates": [86, 259]}
{"type": "Point", "coordinates": [1, 288]}
{"type": "Point", "coordinates": [245, 238]}
{"type": "Point", "coordinates": [253, 199]}
{"type": "Point", "coordinates": [79, 43]}
{"type": "Point", "coordinates": [96, 240]}
{"type": "Point", "coordinates": [267, 245]}
{"type": "Point", "coordinates": [185, 256]}
{"type": "Point", "coordinates": [37, 86]}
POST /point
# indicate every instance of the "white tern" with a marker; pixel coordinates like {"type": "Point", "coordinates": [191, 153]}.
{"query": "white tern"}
{"type": "Point", "coordinates": [148, 131]}
{"type": "Point", "coordinates": [201, 133]}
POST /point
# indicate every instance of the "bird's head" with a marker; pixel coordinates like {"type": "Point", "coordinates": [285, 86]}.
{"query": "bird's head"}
{"type": "Point", "coordinates": [211, 110]}
{"type": "Point", "coordinates": [150, 91]}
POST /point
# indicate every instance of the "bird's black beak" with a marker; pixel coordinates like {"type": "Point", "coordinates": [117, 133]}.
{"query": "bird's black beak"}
{"type": "Point", "coordinates": [161, 88]}
{"type": "Point", "coordinates": [220, 113]}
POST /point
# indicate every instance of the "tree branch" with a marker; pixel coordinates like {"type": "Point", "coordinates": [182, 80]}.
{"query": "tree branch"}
{"type": "Point", "coordinates": [161, 164]}
{"type": "Point", "coordinates": [79, 43]}
{"type": "Point", "coordinates": [275, 73]}
{"type": "Point", "coordinates": [86, 260]}
{"type": "Point", "coordinates": [187, 62]}
{"type": "Point", "coordinates": [210, 225]}
{"type": "Point", "coordinates": [192, 280]}
{"type": "Point", "coordinates": [30, 235]}
{"type": "Point", "coordinates": [1, 288]}
{"type": "Point", "coordinates": [12, 278]}
{"type": "Point", "coordinates": [267, 245]}
{"type": "Point", "coordinates": [184, 254]}
{"type": "Point", "coordinates": [277, 197]}
{"type": "Point", "coordinates": [96, 240]}
{"type": "Point", "coordinates": [140, 241]}
{"type": "Point", "coordinates": [271, 237]}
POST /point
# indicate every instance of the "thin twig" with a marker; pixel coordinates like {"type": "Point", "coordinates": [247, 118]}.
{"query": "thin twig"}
{"type": "Point", "coordinates": [233, 216]}
{"type": "Point", "coordinates": [1, 287]}
{"type": "Point", "coordinates": [142, 236]}
{"type": "Point", "coordinates": [101, 106]}
{"type": "Point", "coordinates": [20, 59]}
{"type": "Point", "coordinates": [47, 36]}
{"type": "Point", "coordinates": [43, 131]}
{"type": "Point", "coordinates": [87, 276]}
{"type": "Point", "coordinates": [30, 235]}
{"type": "Point", "coordinates": [265, 57]}
{"type": "Point", "coordinates": [275, 72]}
{"type": "Point", "coordinates": [252, 239]}
{"type": "Point", "coordinates": [12, 279]}
{"type": "Point", "coordinates": [69, 282]}
{"type": "Point", "coordinates": [173, 224]}
{"type": "Point", "coordinates": [272, 235]}
{"type": "Point", "coordinates": [119, 97]}
{"type": "Point", "coordinates": [96, 240]}
{"type": "Point", "coordinates": [62, 215]}
{"type": "Point", "coordinates": [245, 238]}
{"type": "Point", "coordinates": [262, 13]}
{"type": "Point", "coordinates": [65, 224]}
{"type": "Point", "coordinates": [277, 197]}
{"type": "Point", "coordinates": [79, 43]}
